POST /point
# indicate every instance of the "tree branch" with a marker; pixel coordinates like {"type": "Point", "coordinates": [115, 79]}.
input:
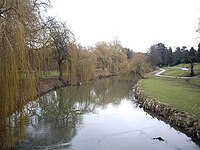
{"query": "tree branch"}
{"type": "Point", "coordinates": [4, 10]}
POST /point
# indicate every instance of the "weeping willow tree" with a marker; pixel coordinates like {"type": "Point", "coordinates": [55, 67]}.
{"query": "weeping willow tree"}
{"type": "Point", "coordinates": [136, 67]}
{"type": "Point", "coordinates": [86, 65]}
{"type": "Point", "coordinates": [16, 76]}
{"type": "Point", "coordinates": [43, 63]}
{"type": "Point", "coordinates": [71, 64]}
{"type": "Point", "coordinates": [81, 64]}
{"type": "Point", "coordinates": [110, 56]}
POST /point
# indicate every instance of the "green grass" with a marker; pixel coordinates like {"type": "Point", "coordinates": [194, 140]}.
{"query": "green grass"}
{"type": "Point", "coordinates": [49, 74]}
{"type": "Point", "coordinates": [175, 92]}
{"type": "Point", "coordinates": [195, 82]}
{"type": "Point", "coordinates": [177, 72]}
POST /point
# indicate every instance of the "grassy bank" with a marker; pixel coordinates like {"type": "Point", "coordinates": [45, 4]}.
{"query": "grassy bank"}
{"type": "Point", "coordinates": [178, 72]}
{"type": "Point", "coordinates": [176, 93]}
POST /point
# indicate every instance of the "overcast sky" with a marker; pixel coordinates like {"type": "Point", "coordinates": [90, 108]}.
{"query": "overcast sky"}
{"type": "Point", "coordinates": [136, 23]}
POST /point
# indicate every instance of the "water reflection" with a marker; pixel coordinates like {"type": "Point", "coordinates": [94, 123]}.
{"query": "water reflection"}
{"type": "Point", "coordinates": [55, 117]}
{"type": "Point", "coordinates": [100, 115]}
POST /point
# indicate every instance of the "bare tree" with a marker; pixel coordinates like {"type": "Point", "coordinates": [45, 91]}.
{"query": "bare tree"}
{"type": "Point", "coordinates": [61, 38]}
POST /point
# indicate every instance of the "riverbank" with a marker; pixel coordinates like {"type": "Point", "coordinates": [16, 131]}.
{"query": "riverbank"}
{"type": "Point", "coordinates": [163, 102]}
{"type": "Point", "coordinates": [46, 85]}
{"type": "Point", "coordinates": [49, 84]}
{"type": "Point", "coordinates": [179, 92]}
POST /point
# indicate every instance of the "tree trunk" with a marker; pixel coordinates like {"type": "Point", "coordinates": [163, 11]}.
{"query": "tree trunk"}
{"type": "Point", "coordinates": [192, 69]}
{"type": "Point", "coordinates": [60, 71]}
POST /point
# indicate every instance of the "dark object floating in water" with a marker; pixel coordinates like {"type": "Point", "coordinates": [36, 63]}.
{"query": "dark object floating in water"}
{"type": "Point", "coordinates": [158, 138]}
{"type": "Point", "coordinates": [140, 106]}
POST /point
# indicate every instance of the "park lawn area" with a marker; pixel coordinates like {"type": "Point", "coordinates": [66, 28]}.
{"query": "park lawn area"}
{"type": "Point", "coordinates": [176, 93]}
{"type": "Point", "coordinates": [48, 74]}
{"type": "Point", "coordinates": [195, 82]}
{"type": "Point", "coordinates": [178, 72]}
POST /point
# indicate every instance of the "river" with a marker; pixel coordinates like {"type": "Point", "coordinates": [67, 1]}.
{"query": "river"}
{"type": "Point", "coordinates": [99, 115]}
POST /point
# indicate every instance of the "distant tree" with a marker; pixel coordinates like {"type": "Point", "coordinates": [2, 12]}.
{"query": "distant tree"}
{"type": "Point", "coordinates": [139, 64]}
{"type": "Point", "coordinates": [128, 52]}
{"type": "Point", "coordinates": [177, 56]}
{"type": "Point", "coordinates": [160, 55]}
{"type": "Point", "coordinates": [184, 54]}
{"type": "Point", "coordinates": [102, 53]}
{"type": "Point", "coordinates": [81, 64]}
{"type": "Point", "coordinates": [154, 55]}
{"type": "Point", "coordinates": [191, 58]}
{"type": "Point", "coordinates": [163, 54]}
{"type": "Point", "coordinates": [62, 38]}
{"type": "Point", "coordinates": [136, 67]}
{"type": "Point", "coordinates": [198, 53]}
{"type": "Point", "coordinates": [170, 57]}
{"type": "Point", "coordinates": [110, 56]}
{"type": "Point", "coordinates": [192, 54]}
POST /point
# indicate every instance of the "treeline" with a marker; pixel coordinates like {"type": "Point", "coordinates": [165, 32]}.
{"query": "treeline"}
{"type": "Point", "coordinates": [160, 55]}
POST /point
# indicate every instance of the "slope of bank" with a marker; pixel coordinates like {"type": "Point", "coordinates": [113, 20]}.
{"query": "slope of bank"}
{"type": "Point", "coordinates": [50, 83]}
{"type": "Point", "coordinates": [163, 98]}
{"type": "Point", "coordinates": [182, 93]}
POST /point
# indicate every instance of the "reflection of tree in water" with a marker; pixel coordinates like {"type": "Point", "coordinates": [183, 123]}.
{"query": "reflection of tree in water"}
{"type": "Point", "coordinates": [98, 94]}
{"type": "Point", "coordinates": [112, 91]}
{"type": "Point", "coordinates": [14, 130]}
{"type": "Point", "coordinates": [54, 117]}
{"type": "Point", "coordinates": [52, 121]}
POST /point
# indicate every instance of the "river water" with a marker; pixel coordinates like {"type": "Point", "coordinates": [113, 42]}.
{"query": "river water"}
{"type": "Point", "coordinates": [100, 115]}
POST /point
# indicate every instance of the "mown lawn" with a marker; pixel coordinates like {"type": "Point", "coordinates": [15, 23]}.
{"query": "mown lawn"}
{"type": "Point", "coordinates": [48, 74]}
{"type": "Point", "coordinates": [178, 72]}
{"type": "Point", "coordinates": [177, 93]}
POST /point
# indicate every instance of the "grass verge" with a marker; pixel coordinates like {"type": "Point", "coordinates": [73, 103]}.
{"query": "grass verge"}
{"type": "Point", "coordinates": [48, 74]}
{"type": "Point", "coordinates": [176, 93]}
{"type": "Point", "coordinates": [178, 72]}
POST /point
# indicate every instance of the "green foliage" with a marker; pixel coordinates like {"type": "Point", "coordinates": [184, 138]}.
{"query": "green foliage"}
{"type": "Point", "coordinates": [160, 55]}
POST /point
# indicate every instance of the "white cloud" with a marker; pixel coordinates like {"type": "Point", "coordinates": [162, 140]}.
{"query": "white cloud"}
{"type": "Point", "coordinates": [137, 23]}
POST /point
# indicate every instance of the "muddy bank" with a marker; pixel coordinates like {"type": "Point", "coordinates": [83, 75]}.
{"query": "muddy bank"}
{"type": "Point", "coordinates": [49, 84]}
{"type": "Point", "coordinates": [173, 116]}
